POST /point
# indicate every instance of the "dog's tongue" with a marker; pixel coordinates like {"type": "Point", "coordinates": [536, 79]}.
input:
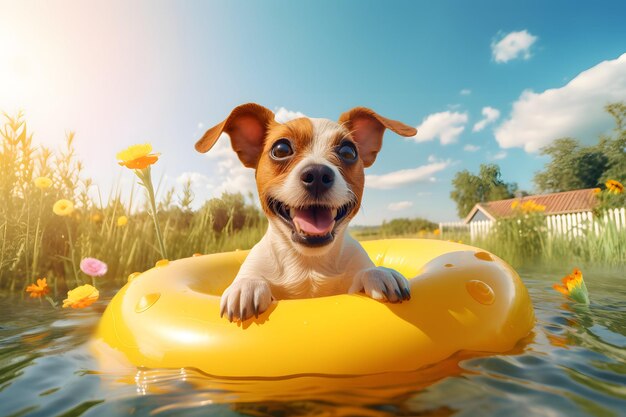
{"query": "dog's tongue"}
{"type": "Point", "coordinates": [314, 220]}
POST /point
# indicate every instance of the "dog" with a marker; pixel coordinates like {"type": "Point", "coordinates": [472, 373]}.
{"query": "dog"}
{"type": "Point", "coordinates": [310, 179]}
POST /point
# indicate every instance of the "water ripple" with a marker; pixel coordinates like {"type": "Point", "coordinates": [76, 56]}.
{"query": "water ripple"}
{"type": "Point", "coordinates": [573, 364]}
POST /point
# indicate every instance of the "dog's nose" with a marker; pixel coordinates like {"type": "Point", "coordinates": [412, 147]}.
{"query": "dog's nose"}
{"type": "Point", "coordinates": [317, 178]}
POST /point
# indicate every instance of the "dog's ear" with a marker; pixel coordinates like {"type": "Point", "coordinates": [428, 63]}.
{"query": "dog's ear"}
{"type": "Point", "coordinates": [367, 128]}
{"type": "Point", "coordinates": [246, 125]}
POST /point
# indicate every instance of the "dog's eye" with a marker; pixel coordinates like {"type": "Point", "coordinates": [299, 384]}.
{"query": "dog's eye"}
{"type": "Point", "coordinates": [282, 149]}
{"type": "Point", "coordinates": [347, 152]}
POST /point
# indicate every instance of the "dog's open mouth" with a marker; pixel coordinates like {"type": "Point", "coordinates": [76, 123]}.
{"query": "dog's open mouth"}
{"type": "Point", "coordinates": [312, 225]}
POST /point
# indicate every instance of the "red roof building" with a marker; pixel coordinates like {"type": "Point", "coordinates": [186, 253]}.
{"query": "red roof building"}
{"type": "Point", "coordinates": [575, 201]}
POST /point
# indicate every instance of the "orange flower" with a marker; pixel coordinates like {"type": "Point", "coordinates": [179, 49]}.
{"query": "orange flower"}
{"type": "Point", "coordinates": [615, 187]}
{"type": "Point", "coordinates": [81, 297]}
{"type": "Point", "coordinates": [573, 286]}
{"type": "Point", "coordinates": [137, 156]}
{"type": "Point", "coordinates": [39, 289]}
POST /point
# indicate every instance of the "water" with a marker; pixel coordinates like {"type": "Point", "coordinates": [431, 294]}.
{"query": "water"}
{"type": "Point", "coordinates": [573, 364]}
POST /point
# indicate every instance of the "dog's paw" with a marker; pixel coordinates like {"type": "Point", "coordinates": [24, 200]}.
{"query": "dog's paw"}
{"type": "Point", "coordinates": [245, 298]}
{"type": "Point", "coordinates": [383, 284]}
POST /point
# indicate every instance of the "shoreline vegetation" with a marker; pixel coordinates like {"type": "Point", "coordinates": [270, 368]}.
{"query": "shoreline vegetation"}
{"type": "Point", "coordinates": [49, 221]}
{"type": "Point", "coordinates": [524, 240]}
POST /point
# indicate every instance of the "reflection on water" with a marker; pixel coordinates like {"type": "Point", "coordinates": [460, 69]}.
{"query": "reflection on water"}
{"type": "Point", "coordinates": [574, 363]}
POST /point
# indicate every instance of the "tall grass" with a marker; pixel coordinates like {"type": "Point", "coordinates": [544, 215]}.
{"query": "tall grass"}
{"type": "Point", "coordinates": [401, 227]}
{"type": "Point", "coordinates": [34, 242]}
{"type": "Point", "coordinates": [524, 240]}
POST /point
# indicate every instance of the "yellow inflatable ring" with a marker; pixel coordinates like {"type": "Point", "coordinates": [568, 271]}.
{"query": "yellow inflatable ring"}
{"type": "Point", "coordinates": [463, 299]}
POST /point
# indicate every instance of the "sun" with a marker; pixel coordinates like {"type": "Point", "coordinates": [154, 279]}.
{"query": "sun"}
{"type": "Point", "coordinates": [17, 75]}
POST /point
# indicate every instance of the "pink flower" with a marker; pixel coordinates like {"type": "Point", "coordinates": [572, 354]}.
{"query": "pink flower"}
{"type": "Point", "coordinates": [93, 267]}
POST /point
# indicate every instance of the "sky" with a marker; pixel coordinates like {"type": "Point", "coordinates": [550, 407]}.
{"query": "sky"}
{"type": "Point", "coordinates": [483, 82]}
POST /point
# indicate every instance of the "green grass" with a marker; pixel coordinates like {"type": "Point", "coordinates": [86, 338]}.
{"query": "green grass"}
{"type": "Point", "coordinates": [401, 227]}
{"type": "Point", "coordinates": [525, 240]}
{"type": "Point", "coordinates": [37, 243]}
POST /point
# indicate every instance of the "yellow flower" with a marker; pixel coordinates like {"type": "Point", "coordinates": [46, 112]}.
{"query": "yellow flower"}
{"type": "Point", "coordinates": [535, 207]}
{"type": "Point", "coordinates": [122, 221]}
{"type": "Point", "coordinates": [436, 232]}
{"type": "Point", "coordinates": [137, 156]}
{"type": "Point", "coordinates": [63, 207]}
{"type": "Point", "coordinates": [596, 191]}
{"type": "Point", "coordinates": [614, 187]}
{"type": "Point", "coordinates": [43, 182]}
{"type": "Point", "coordinates": [573, 286]}
{"type": "Point", "coordinates": [81, 297]}
{"type": "Point", "coordinates": [39, 289]}
{"type": "Point", "coordinates": [96, 217]}
{"type": "Point", "coordinates": [529, 206]}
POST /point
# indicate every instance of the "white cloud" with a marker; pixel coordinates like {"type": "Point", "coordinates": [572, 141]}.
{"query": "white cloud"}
{"type": "Point", "coordinates": [221, 149]}
{"type": "Point", "coordinates": [471, 148]}
{"type": "Point", "coordinates": [490, 115]}
{"type": "Point", "coordinates": [513, 45]}
{"type": "Point", "coordinates": [465, 92]}
{"type": "Point", "coordinates": [496, 156]}
{"type": "Point", "coordinates": [447, 126]}
{"type": "Point", "coordinates": [237, 180]}
{"type": "Point", "coordinates": [227, 172]}
{"type": "Point", "coordinates": [197, 179]}
{"type": "Point", "coordinates": [576, 109]}
{"type": "Point", "coordinates": [400, 205]}
{"type": "Point", "coordinates": [283, 115]}
{"type": "Point", "coordinates": [396, 179]}
{"type": "Point", "coordinates": [200, 125]}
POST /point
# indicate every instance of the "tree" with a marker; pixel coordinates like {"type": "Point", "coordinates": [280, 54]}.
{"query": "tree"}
{"type": "Point", "coordinates": [231, 210]}
{"type": "Point", "coordinates": [470, 189]}
{"type": "Point", "coordinates": [571, 167]}
{"type": "Point", "coordinates": [404, 226]}
{"type": "Point", "coordinates": [615, 148]}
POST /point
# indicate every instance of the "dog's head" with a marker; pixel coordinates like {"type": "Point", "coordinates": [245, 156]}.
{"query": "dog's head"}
{"type": "Point", "coordinates": [309, 172]}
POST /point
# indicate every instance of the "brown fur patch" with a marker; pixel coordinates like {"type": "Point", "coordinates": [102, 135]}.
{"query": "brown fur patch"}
{"type": "Point", "coordinates": [353, 173]}
{"type": "Point", "coordinates": [270, 172]}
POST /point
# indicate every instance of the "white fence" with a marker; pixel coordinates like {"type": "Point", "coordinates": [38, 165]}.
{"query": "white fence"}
{"type": "Point", "coordinates": [452, 228]}
{"type": "Point", "coordinates": [574, 224]}
{"type": "Point", "coordinates": [480, 228]}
